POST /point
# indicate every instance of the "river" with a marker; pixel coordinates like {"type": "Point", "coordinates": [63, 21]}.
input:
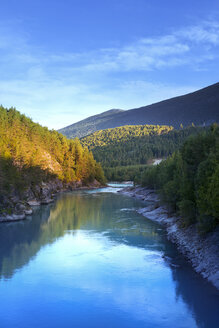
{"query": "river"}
{"type": "Point", "coordinates": [89, 260]}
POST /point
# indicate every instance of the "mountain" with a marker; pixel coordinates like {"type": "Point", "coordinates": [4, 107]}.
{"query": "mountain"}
{"type": "Point", "coordinates": [90, 124]}
{"type": "Point", "coordinates": [200, 107]}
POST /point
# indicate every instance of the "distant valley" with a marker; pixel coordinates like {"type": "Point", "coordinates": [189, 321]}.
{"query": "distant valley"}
{"type": "Point", "coordinates": [125, 152]}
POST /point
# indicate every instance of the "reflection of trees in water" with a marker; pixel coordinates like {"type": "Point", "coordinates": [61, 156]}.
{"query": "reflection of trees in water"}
{"type": "Point", "coordinates": [71, 212]}
{"type": "Point", "coordinates": [100, 212]}
{"type": "Point", "coordinates": [196, 294]}
{"type": "Point", "coordinates": [21, 241]}
{"type": "Point", "coordinates": [201, 298]}
{"type": "Point", "coordinates": [96, 212]}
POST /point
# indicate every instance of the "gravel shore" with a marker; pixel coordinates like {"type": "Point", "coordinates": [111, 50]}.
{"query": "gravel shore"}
{"type": "Point", "coordinates": [201, 251]}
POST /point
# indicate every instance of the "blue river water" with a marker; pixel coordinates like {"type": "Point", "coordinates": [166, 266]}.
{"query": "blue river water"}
{"type": "Point", "coordinates": [89, 260]}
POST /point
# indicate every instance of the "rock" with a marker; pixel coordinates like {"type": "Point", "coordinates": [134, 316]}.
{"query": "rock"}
{"type": "Point", "coordinates": [96, 183]}
{"type": "Point", "coordinates": [47, 201]}
{"type": "Point", "coordinates": [11, 218]}
{"type": "Point", "coordinates": [78, 184]}
{"type": "Point", "coordinates": [28, 211]}
{"type": "Point", "coordinates": [28, 194]}
{"type": "Point", "coordinates": [3, 218]}
{"type": "Point", "coordinates": [45, 193]}
{"type": "Point", "coordinates": [19, 207]}
{"type": "Point", "coordinates": [15, 199]}
{"type": "Point", "coordinates": [33, 202]}
{"type": "Point", "coordinates": [17, 217]}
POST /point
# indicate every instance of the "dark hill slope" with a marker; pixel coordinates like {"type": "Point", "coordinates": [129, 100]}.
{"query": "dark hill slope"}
{"type": "Point", "coordinates": [200, 107]}
{"type": "Point", "coordinates": [90, 124]}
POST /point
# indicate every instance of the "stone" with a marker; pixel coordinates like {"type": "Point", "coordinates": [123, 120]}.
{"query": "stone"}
{"type": "Point", "coordinates": [28, 211]}
{"type": "Point", "coordinates": [17, 217]}
{"type": "Point", "coordinates": [47, 201]}
{"type": "Point", "coordinates": [33, 202]}
{"type": "Point", "coordinates": [19, 207]}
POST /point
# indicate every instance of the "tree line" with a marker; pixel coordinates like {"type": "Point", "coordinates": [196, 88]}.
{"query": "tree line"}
{"type": "Point", "coordinates": [124, 151]}
{"type": "Point", "coordinates": [30, 153]}
{"type": "Point", "coordinates": [188, 181]}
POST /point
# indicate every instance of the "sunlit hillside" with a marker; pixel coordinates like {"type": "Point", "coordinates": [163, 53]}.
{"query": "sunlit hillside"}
{"type": "Point", "coordinates": [30, 153]}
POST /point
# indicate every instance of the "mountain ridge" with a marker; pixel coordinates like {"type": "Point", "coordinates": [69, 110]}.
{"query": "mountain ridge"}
{"type": "Point", "coordinates": [96, 119]}
{"type": "Point", "coordinates": [200, 107]}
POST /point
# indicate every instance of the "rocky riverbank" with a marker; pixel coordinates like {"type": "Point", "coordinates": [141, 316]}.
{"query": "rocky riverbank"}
{"type": "Point", "coordinates": [16, 207]}
{"type": "Point", "coordinates": [201, 251]}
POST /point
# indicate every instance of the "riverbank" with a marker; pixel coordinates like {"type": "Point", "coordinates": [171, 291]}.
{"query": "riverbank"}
{"type": "Point", "coordinates": [15, 207]}
{"type": "Point", "coordinates": [201, 251]}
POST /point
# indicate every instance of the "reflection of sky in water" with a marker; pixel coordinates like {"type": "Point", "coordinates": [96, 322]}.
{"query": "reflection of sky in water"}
{"type": "Point", "coordinates": [94, 262]}
{"type": "Point", "coordinates": [118, 277]}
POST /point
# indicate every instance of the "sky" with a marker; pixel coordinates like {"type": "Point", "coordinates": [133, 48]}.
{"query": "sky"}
{"type": "Point", "coordinates": [64, 60]}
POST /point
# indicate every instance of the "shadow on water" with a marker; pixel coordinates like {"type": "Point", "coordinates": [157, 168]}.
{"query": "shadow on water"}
{"type": "Point", "coordinates": [113, 216]}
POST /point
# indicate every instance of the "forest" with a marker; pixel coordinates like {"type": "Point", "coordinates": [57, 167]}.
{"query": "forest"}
{"type": "Point", "coordinates": [125, 151]}
{"type": "Point", "coordinates": [30, 153]}
{"type": "Point", "coordinates": [188, 181]}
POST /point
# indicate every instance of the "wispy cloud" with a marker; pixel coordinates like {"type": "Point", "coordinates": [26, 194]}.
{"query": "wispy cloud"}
{"type": "Point", "coordinates": [145, 54]}
{"type": "Point", "coordinates": [176, 49]}
{"type": "Point", "coordinates": [68, 85]}
{"type": "Point", "coordinates": [207, 32]}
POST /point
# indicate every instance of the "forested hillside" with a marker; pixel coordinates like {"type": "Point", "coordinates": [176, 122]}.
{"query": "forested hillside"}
{"type": "Point", "coordinates": [122, 134]}
{"type": "Point", "coordinates": [200, 107]}
{"type": "Point", "coordinates": [30, 153]}
{"type": "Point", "coordinates": [124, 151]}
{"type": "Point", "coordinates": [189, 180]}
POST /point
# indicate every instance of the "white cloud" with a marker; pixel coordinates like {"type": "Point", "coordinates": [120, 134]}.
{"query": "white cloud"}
{"type": "Point", "coordinates": [57, 89]}
{"type": "Point", "coordinates": [207, 32]}
{"type": "Point", "coordinates": [173, 49]}
{"type": "Point", "coordinates": [176, 49]}
{"type": "Point", "coordinates": [145, 54]}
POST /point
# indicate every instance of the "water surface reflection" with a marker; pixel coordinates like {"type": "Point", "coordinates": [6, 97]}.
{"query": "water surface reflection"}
{"type": "Point", "coordinates": [92, 261]}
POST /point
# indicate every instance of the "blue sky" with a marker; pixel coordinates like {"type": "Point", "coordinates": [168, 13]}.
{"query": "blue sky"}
{"type": "Point", "coordinates": [61, 61]}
